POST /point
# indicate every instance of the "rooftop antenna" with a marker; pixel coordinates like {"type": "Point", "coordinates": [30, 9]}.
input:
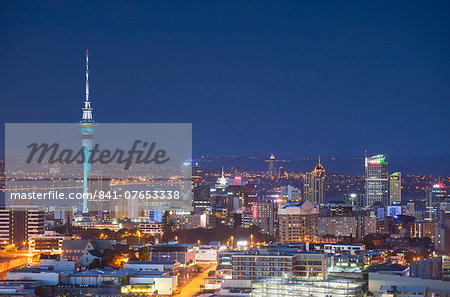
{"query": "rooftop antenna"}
{"type": "Point", "coordinates": [87, 75]}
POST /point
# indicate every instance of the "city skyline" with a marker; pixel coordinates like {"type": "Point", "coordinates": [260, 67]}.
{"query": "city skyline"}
{"type": "Point", "coordinates": [333, 78]}
{"type": "Point", "coordinates": [238, 148]}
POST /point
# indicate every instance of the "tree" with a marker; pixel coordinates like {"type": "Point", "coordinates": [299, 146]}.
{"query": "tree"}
{"type": "Point", "coordinates": [144, 254]}
{"type": "Point", "coordinates": [97, 263]}
{"type": "Point", "coordinates": [133, 257]}
{"type": "Point", "coordinates": [41, 291]}
{"type": "Point", "coordinates": [112, 259]}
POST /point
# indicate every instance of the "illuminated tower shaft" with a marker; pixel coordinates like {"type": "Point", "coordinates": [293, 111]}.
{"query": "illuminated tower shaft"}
{"type": "Point", "coordinates": [272, 170]}
{"type": "Point", "coordinates": [87, 126]}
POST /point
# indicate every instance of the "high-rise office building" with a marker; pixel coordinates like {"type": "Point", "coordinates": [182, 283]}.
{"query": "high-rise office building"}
{"type": "Point", "coordinates": [313, 187]}
{"type": "Point", "coordinates": [282, 172]}
{"type": "Point", "coordinates": [272, 171]}
{"type": "Point", "coordinates": [435, 195]}
{"type": "Point", "coordinates": [201, 200]}
{"type": "Point", "coordinates": [265, 216]}
{"type": "Point", "coordinates": [289, 193]}
{"type": "Point", "coordinates": [297, 221]}
{"type": "Point", "coordinates": [97, 206]}
{"type": "Point", "coordinates": [18, 223]}
{"type": "Point", "coordinates": [377, 180]}
{"type": "Point", "coordinates": [197, 177]}
{"type": "Point", "coordinates": [395, 188]}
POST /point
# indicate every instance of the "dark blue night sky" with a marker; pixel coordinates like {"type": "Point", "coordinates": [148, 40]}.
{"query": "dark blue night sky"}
{"type": "Point", "coordinates": [254, 77]}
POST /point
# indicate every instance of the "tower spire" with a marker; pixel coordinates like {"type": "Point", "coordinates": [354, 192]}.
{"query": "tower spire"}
{"type": "Point", "coordinates": [87, 126]}
{"type": "Point", "coordinates": [87, 75]}
{"type": "Point", "coordinates": [87, 110]}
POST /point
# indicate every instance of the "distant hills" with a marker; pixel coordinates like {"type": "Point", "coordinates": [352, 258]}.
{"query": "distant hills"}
{"type": "Point", "coordinates": [436, 166]}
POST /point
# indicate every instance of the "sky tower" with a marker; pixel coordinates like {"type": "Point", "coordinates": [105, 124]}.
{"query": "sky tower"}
{"type": "Point", "coordinates": [87, 126]}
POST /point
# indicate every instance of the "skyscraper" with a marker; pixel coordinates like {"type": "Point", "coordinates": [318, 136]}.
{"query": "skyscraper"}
{"type": "Point", "coordinates": [395, 188]}
{"type": "Point", "coordinates": [97, 207]}
{"type": "Point", "coordinates": [377, 180]}
{"type": "Point", "coordinates": [19, 223]}
{"type": "Point", "coordinates": [197, 177]}
{"type": "Point", "coordinates": [87, 126]}
{"type": "Point", "coordinates": [265, 216]}
{"type": "Point", "coordinates": [201, 200]}
{"type": "Point", "coordinates": [297, 221]}
{"type": "Point", "coordinates": [272, 171]}
{"type": "Point", "coordinates": [313, 187]}
{"type": "Point", "coordinates": [281, 172]}
{"type": "Point", "coordinates": [435, 196]}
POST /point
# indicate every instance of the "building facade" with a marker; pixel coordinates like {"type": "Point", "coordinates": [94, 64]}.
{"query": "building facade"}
{"type": "Point", "coordinates": [313, 187]}
{"type": "Point", "coordinates": [337, 225]}
{"type": "Point", "coordinates": [395, 188]}
{"type": "Point", "coordinates": [265, 216]}
{"type": "Point", "coordinates": [19, 223]}
{"type": "Point", "coordinates": [267, 262]}
{"type": "Point", "coordinates": [377, 181]}
{"type": "Point", "coordinates": [297, 221]}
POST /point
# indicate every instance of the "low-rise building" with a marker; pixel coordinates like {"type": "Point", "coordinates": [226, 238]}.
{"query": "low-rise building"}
{"type": "Point", "coordinates": [47, 243]}
{"type": "Point", "coordinates": [206, 254]}
{"type": "Point", "coordinates": [47, 277]}
{"type": "Point", "coordinates": [426, 268]}
{"type": "Point", "coordinates": [347, 263]}
{"type": "Point", "coordinates": [187, 221]}
{"type": "Point", "coordinates": [57, 263]}
{"type": "Point", "coordinates": [97, 225]}
{"type": "Point", "coordinates": [153, 228]}
{"type": "Point", "coordinates": [169, 266]}
{"type": "Point", "coordinates": [381, 283]}
{"type": "Point", "coordinates": [306, 288]}
{"type": "Point", "coordinates": [388, 269]}
{"type": "Point", "coordinates": [267, 262]}
{"type": "Point", "coordinates": [224, 264]}
{"type": "Point", "coordinates": [96, 277]}
{"type": "Point", "coordinates": [182, 253]}
{"type": "Point", "coordinates": [164, 284]}
{"type": "Point", "coordinates": [351, 248]}
{"type": "Point", "coordinates": [76, 249]}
